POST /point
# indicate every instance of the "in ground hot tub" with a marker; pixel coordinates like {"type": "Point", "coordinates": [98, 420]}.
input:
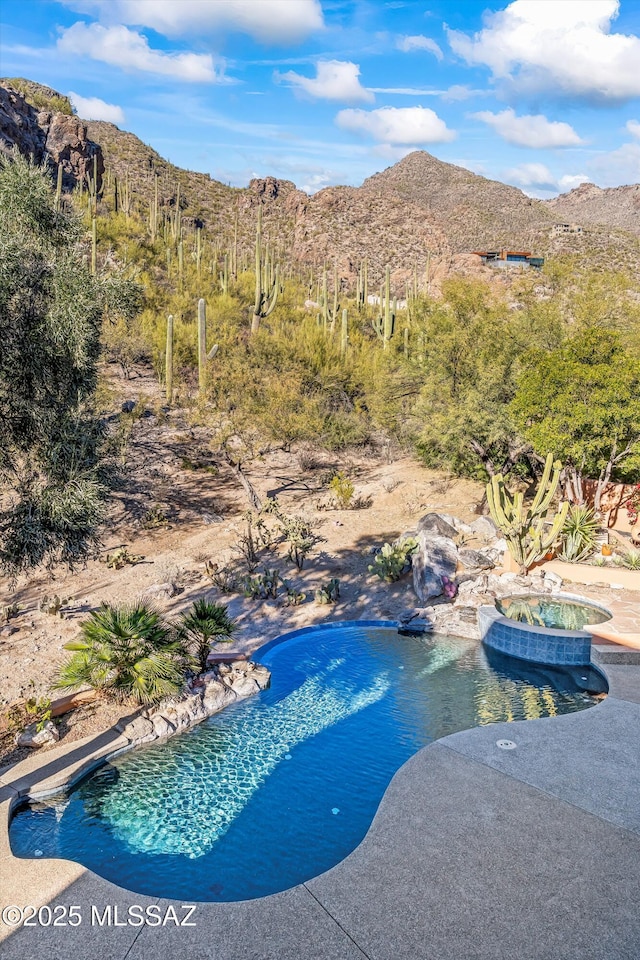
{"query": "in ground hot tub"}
{"type": "Point", "coordinates": [541, 628]}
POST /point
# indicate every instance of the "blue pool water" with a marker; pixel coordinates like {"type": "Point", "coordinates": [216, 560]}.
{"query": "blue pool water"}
{"type": "Point", "coordinates": [278, 788]}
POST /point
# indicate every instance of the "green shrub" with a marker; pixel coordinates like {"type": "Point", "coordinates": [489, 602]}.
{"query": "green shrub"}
{"type": "Point", "coordinates": [126, 652]}
{"type": "Point", "coordinates": [204, 623]}
{"type": "Point", "coordinates": [343, 490]}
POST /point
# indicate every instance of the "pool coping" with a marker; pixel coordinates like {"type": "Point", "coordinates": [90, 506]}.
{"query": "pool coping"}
{"type": "Point", "coordinates": [49, 877]}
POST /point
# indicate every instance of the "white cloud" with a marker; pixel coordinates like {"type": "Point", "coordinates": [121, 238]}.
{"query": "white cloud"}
{"type": "Point", "coordinates": [410, 44]}
{"type": "Point", "coordinates": [268, 21]}
{"type": "Point", "coordinates": [569, 181]}
{"type": "Point", "coordinates": [633, 126]}
{"type": "Point", "coordinates": [564, 48]}
{"type": "Point", "coordinates": [93, 108]}
{"type": "Point", "coordinates": [124, 48]}
{"type": "Point", "coordinates": [538, 181]}
{"type": "Point", "coordinates": [456, 92]}
{"type": "Point", "coordinates": [530, 131]}
{"type": "Point", "coordinates": [460, 91]}
{"type": "Point", "coordinates": [334, 80]}
{"type": "Point", "coordinates": [618, 167]}
{"type": "Point", "coordinates": [397, 125]}
{"type": "Point", "coordinates": [531, 175]}
{"type": "Point", "coordinates": [409, 91]}
{"type": "Point", "coordinates": [389, 152]}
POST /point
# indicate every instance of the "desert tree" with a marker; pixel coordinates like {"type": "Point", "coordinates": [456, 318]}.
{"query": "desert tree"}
{"type": "Point", "coordinates": [582, 401]}
{"type": "Point", "coordinates": [52, 477]}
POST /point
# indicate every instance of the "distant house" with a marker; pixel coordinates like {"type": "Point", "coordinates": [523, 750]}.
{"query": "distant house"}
{"type": "Point", "coordinates": [505, 258]}
{"type": "Point", "coordinates": [560, 229]}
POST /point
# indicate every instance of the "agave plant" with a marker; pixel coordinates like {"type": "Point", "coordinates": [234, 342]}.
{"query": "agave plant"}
{"type": "Point", "coordinates": [629, 559]}
{"type": "Point", "coordinates": [126, 652]}
{"type": "Point", "coordinates": [205, 622]}
{"type": "Point", "coordinates": [579, 534]}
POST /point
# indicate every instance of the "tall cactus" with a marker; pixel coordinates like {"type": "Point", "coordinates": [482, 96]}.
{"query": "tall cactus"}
{"type": "Point", "coordinates": [362, 291]}
{"type": "Point", "coordinates": [168, 375]}
{"type": "Point", "coordinates": [344, 338]}
{"type": "Point", "coordinates": [234, 249]}
{"type": "Point", "coordinates": [94, 246]}
{"type": "Point", "coordinates": [180, 264]}
{"type": "Point", "coordinates": [525, 529]}
{"type": "Point", "coordinates": [224, 276]}
{"type": "Point", "coordinates": [199, 251]}
{"type": "Point", "coordinates": [58, 198]}
{"type": "Point", "coordinates": [202, 345]}
{"type": "Point", "coordinates": [266, 288]}
{"type": "Point", "coordinates": [384, 325]}
{"type": "Point", "coordinates": [330, 314]}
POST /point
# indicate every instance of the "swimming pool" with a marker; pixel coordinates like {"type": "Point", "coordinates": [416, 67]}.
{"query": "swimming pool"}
{"type": "Point", "coordinates": [278, 788]}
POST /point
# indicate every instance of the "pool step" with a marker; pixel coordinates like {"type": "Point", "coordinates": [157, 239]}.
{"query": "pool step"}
{"type": "Point", "coordinates": [614, 653]}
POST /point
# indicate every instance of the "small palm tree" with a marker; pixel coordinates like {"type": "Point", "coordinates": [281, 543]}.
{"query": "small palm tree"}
{"type": "Point", "coordinates": [205, 622]}
{"type": "Point", "coordinates": [126, 652]}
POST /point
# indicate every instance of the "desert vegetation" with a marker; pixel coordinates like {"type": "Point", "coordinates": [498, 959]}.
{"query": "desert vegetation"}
{"type": "Point", "coordinates": [252, 354]}
{"type": "Point", "coordinates": [480, 381]}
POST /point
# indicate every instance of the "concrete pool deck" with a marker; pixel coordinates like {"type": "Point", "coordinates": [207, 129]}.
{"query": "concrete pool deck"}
{"type": "Point", "coordinates": [475, 853]}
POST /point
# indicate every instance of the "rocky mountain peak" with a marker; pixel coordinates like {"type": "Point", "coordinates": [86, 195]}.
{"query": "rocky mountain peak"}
{"type": "Point", "coordinates": [47, 135]}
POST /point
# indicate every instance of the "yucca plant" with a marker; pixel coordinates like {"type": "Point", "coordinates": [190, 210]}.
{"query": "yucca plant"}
{"type": "Point", "coordinates": [579, 536]}
{"type": "Point", "coordinates": [126, 651]}
{"type": "Point", "coordinates": [204, 623]}
{"type": "Point", "coordinates": [629, 559]}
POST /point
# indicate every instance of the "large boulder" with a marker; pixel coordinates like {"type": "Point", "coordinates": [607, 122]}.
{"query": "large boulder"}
{"type": "Point", "coordinates": [47, 135]}
{"type": "Point", "coordinates": [436, 557]}
{"type": "Point", "coordinates": [19, 128]}
{"type": "Point", "coordinates": [67, 144]}
{"type": "Point", "coordinates": [433, 523]}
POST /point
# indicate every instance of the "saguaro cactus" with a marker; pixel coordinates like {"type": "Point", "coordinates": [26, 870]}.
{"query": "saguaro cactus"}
{"type": "Point", "coordinates": [384, 325]}
{"type": "Point", "coordinates": [58, 198]}
{"type": "Point", "coordinates": [526, 530]}
{"type": "Point", "coordinates": [180, 264]}
{"type": "Point", "coordinates": [362, 287]}
{"type": "Point", "coordinates": [267, 286]}
{"type": "Point", "coordinates": [344, 339]}
{"type": "Point", "coordinates": [329, 314]}
{"type": "Point", "coordinates": [168, 376]}
{"type": "Point", "coordinates": [202, 345]}
{"type": "Point", "coordinates": [94, 246]}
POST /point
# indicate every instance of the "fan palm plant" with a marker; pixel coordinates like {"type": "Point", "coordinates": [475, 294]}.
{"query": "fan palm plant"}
{"type": "Point", "coordinates": [126, 652]}
{"type": "Point", "coordinates": [205, 622]}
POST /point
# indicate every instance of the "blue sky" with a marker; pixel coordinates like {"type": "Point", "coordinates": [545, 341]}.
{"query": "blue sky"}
{"type": "Point", "coordinates": [543, 94]}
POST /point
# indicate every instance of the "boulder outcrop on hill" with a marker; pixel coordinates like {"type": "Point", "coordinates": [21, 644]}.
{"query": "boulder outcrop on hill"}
{"type": "Point", "coordinates": [48, 136]}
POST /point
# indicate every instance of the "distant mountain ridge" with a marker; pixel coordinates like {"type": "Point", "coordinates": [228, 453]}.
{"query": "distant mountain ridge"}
{"type": "Point", "coordinates": [421, 213]}
{"type": "Point", "coordinates": [588, 204]}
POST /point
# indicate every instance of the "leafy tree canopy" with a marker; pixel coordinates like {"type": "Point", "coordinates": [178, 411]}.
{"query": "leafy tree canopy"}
{"type": "Point", "coordinates": [52, 480]}
{"type": "Point", "coordinates": [582, 402]}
